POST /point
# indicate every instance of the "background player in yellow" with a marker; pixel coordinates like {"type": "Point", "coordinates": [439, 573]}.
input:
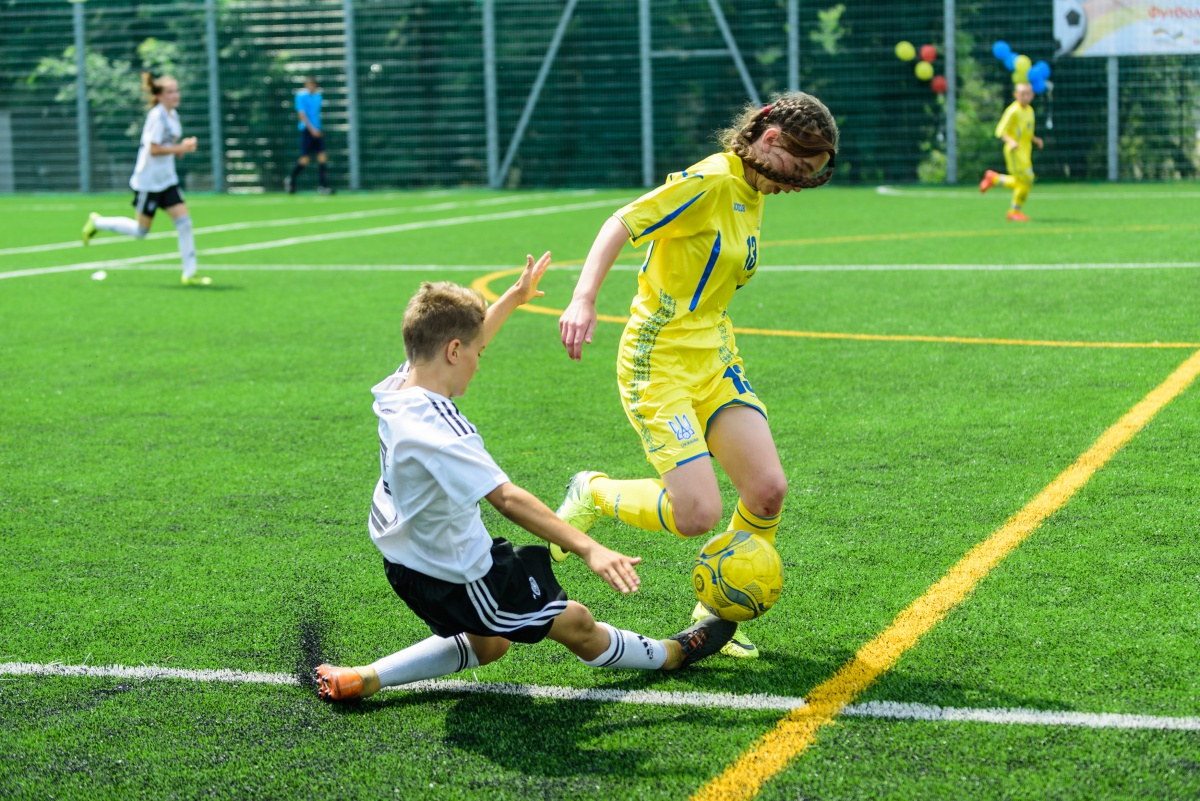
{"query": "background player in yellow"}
{"type": "Point", "coordinates": [1016, 129]}
{"type": "Point", "coordinates": [678, 370]}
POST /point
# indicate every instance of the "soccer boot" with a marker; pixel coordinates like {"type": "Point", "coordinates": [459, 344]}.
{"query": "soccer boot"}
{"type": "Point", "coordinates": [701, 640]}
{"type": "Point", "coordinates": [325, 190]}
{"type": "Point", "coordinates": [89, 228]}
{"type": "Point", "coordinates": [739, 645]}
{"type": "Point", "coordinates": [579, 509]}
{"type": "Point", "coordinates": [989, 180]}
{"type": "Point", "coordinates": [346, 683]}
{"type": "Point", "coordinates": [196, 280]}
{"type": "Point", "coordinates": [289, 184]}
{"type": "Point", "coordinates": [1015, 215]}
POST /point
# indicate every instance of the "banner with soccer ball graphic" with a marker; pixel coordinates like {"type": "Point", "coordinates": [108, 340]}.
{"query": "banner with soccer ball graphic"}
{"type": "Point", "coordinates": [1126, 27]}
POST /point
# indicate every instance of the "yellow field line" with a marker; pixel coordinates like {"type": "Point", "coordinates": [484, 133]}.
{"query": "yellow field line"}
{"type": "Point", "coordinates": [481, 285]}
{"type": "Point", "coordinates": [1023, 230]}
{"type": "Point", "coordinates": [797, 731]}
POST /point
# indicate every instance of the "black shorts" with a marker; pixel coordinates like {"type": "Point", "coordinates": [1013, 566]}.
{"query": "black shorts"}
{"type": "Point", "coordinates": [518, 599]}
{"type": "Point", "coordinates": [149, 202]}
{"type": "Point", "coordinates": [310, 144]}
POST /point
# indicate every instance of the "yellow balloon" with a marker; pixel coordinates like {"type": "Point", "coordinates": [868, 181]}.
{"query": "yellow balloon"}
{"type": "Point", "coordinates": [905, 51]}
{"type": "Point", "coordinates": [1022, 64]}
{"type": "Point", "coordinates": [1020, 77]}
{"type": "Point", "coordinates": [924, 70]}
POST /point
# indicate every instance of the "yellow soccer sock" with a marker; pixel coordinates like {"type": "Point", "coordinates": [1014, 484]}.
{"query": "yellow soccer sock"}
{"type": "Point", "coordinates": [640, 502]}
{"type": "Point", "coordinates": [1021, 193]}
{"type": "Point", "coordinates": [1007, 181]}
{"type": "Point", "coordinates": [745, 520]}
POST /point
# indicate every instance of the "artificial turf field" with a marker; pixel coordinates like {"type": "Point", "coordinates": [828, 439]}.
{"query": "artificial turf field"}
{"type": "Point", "coordinates": [185, 476]}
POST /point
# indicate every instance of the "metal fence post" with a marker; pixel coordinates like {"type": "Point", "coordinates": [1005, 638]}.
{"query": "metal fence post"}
{"type": "Point", "coordinates": [647, 93]}
{"type": "Point", "coordinates": [214, 97]}
{"type": "Point", "coordinates": [950, 45]}
{"type": "Point", "coordinates": [351, 94]}
{"type": "Point", "coordinates": [489, 93]}
{"type": "Point", "coordinates": [81, 99]}
{"type": "Point", "coordinates": [1113, 123]}
{"type": "Point", "coordinates": [793, 40]}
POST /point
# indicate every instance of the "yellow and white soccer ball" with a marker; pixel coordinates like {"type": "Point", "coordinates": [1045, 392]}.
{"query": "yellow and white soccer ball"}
{"type": "Point", "coordinates": [738, 575]}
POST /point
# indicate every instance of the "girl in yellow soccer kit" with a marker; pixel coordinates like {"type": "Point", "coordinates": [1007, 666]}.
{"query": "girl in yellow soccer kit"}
{"type": "Point", "coordinates": [1016, 129]}
{"type": "Point", "coordinates": [682, 382]}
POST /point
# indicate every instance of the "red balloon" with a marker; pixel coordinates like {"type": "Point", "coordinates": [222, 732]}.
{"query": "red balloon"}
{"type": "Point", "coordinates": [928, 53]}
{"type": "Point", "coordinates": [938, 84]}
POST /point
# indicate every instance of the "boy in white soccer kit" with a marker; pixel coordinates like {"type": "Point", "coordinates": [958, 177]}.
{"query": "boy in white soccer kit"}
{"type": "Point", "coordinates": [478, 594]}
{"type": "Point", "coordinates": [155, 182]}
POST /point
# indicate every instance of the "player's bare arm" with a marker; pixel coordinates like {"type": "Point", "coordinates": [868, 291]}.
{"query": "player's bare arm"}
{"type": "Point", "coordinates": [524, 290]}
{"type": "Point", "coordinates": [529, 513]}
{"type": "Point", "coordinates": [1037, 140]}
{"type": "Point", "coordinates": [578, 322]}
{"type": "Point", "coordinates": [188, 145]}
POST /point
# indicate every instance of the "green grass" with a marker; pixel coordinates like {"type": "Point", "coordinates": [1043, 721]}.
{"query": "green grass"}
{"type": "Point", "coordinates": [185, 474]}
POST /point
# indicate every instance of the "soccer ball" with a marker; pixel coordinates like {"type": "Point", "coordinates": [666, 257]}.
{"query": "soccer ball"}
{"type": "Point", "coordinates": [737, 575]}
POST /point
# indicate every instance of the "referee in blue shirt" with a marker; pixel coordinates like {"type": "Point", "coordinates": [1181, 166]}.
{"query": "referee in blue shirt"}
{"type": "Point", "coordinates": [312, 137]}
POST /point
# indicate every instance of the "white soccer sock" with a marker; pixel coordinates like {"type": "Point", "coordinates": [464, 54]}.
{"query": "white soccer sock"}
{"type": "Point", "coordinates": [187, 245]}
{"type": "Point", "coordinates": [627, 649]}
{"type": "Point", "coordinates": [121, 225]}
{"type": "Point", "coordinates": [428, 659]}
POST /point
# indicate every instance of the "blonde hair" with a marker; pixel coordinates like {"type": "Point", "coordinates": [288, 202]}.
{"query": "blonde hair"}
{"type": "Point", "coordinates": [152, 87]}
{"type": "Point", "coordinates": [438, 313]}
{"type": "Point", "coordinates": [806, 128]}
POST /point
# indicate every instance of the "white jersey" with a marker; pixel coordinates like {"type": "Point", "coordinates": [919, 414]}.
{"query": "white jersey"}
{"type": "Point", "coordinates": [156, 173]}
{"type": "Point", "coordinates": [434, 470]}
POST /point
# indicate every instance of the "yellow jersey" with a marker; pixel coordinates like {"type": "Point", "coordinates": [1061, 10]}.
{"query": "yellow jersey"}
{"type": "Point", "coordinates": [1018, 122]}
{"type": "Point", "coordinates": [703, 227]}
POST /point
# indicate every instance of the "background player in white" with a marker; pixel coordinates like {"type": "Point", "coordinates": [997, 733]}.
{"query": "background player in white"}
{"type": "Point", "coordinates": [478, 594]}
{"type": "Point", "coordinates": [154, 181]}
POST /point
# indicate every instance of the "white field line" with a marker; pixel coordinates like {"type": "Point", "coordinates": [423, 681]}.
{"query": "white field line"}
{"type": "Point", "coordinates": [164, 261]}
{"type": "Point", "coordinates": [254, 225]}
{"type": "Point", "coordinates": [952, 194]}
{"type": "Point", "coordinates": [325, 237]}
{"type": "Point", "coordinates": [888, 710]}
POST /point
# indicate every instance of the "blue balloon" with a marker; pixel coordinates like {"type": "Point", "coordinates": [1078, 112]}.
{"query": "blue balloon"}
{"type": "Point", "coordinates": [1010, 61]}
{"type": "Point", "coordinates": [1001, 50]}
{"type": "Point", "coordinates": [1038, 85]}
{"type": "Point", "coordinates": [1040, 70]}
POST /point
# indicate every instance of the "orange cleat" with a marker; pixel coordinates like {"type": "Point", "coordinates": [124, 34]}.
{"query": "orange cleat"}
{"type": "Point", "coordinates": [989, 180]}
{"type": "Point", "coordinates": [1015, 215]}
{"type": "Point", "coordinates": [339, 683]}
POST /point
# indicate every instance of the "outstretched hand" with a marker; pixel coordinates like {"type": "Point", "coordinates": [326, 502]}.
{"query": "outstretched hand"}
{"type": "Point", "coordinates": [526, 286]}
{"type": "Point", "coordinates": [615, 568]}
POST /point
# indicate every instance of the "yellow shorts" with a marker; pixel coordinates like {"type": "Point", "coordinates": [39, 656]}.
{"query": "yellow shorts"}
{"type": "Point", "coordinates": [672, 415]}
{"type": "Point", "coordinates": [1019, 165]}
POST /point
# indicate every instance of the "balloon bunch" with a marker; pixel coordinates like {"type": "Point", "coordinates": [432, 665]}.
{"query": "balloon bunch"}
{"type": "Point", "coordinates": [924, 68]}
{"type": "Point", "coordinates": [1023, 70]}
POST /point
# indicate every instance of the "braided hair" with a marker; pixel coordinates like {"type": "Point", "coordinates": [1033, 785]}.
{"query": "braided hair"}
{"type": "Point", "coordinates": [806, 129]}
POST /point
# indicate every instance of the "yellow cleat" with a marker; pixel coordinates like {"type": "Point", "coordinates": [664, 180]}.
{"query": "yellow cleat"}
{"type": "Point", "coordinates": [579, 509]}
{"type": "Point", "coordinates": [739, 645]}
{"type": "Point", "coordinates": [196, 280]}
{"type": "Point", "coordinates": [89, 228]}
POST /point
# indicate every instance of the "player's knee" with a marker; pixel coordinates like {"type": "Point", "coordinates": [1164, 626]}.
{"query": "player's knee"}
{"type": "Point", "coordinates": [766, 497]}
{"type": "Point", "coordinates": [694, 519]}
{"type": "Point", "coordinates": [492, 649]}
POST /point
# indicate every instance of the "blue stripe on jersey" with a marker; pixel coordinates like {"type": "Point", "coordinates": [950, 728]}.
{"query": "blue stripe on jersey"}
{"type": "Point", "coordinates": [669, 217]}
{"type": "Point", "coordinates": [708, 268]}
{"type": "Point", "coordinates": [454, 418]}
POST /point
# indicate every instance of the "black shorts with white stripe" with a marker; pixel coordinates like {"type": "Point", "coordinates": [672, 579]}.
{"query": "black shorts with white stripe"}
{"type": "Point", "coordinates": [517, 599]}
{"type": "Point", "coordinates": [149, 202]}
